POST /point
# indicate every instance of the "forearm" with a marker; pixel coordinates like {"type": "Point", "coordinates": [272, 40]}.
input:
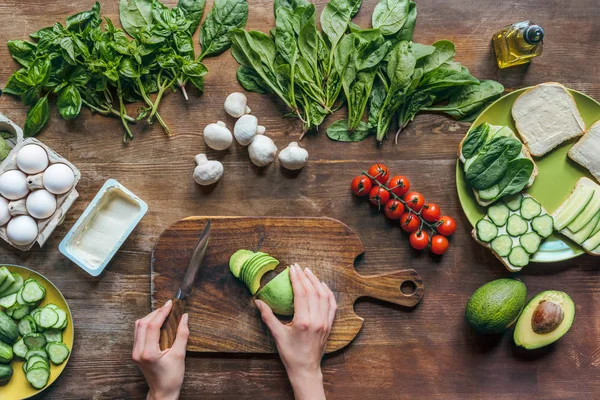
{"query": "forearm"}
{"type": "Point", "coordinates": [308, 386]}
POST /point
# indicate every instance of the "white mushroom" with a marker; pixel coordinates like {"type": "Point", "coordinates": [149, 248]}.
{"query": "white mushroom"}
{"type": "Point", "coordinates": [217, 136]}
{"type": "Point", "coordinates": [293, 157]}
{"type": "Point", "coordinates": [236, 105]}
{"type": "Point", "coordinates": [246, 128]}
{"type": "Point", "coordinates": [207, 172]}
{"type": "Point", "coordinates": [262, 151]}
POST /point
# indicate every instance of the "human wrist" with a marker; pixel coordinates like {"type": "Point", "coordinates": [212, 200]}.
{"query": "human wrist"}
{"type": "Point", "coordinates": [172, 394]}
{"type": "Point", "coordinates": [307, 384]}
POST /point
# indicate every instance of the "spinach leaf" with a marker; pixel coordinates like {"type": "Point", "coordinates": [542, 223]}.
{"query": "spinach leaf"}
{"type": "Point", "coordinates": [22, 51]}
{"type": "Point", "coordinates": [376, 101]}
{"type": "Point", "coordinates": [291, 4]}
{"type": "Point", "coordinates": [135, 15]}
{"type": "Point", "coordinates": [251, 81]}
{"type": "Point", "coordinates": [444, 51]}
{"type": "Point", "coordinates": [490, 167]}
{"type": "Point", "coordinates": [37, 117]}
{"type": "Point", "coordinates": [335, 19]}
{"type": "Point", "coordinates": [69, 102]}
{"type": "Point", "coordinates": [407, 30]}
{"type": "Point", "coordinates": [225, 16]}
{"type": "Point", "coordinates": [390, 16]}
{"type": "Point", "coordinates": [338, 131]}
{"type": "Point", "coordinates": [518, 173]}
{"type": "Point", "coordinates": [193, 10]}
{"type": "Point", "coordinates": [475, 140]}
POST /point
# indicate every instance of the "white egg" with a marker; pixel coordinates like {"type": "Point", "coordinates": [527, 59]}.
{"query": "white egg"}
{"type": "Point", "coordinates": [13, 185]}
{"type": "Point", "coordinates": [22, 230]}
{"type": "Point", "coordinates": [58, 178]}
{"type": "Point", "coordinates": [41, 204]}
{"type": "Point", "coordinates": [32, 159]}
{"type": "Point", "coordinates": [4, 214]}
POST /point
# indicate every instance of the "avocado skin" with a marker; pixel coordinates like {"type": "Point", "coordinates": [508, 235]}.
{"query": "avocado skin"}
{"type": "Point", "coordinates": [279, 294]}
{"type": "Point", "coordinates": [525, 337]}
{"type": "Point", "coordinates": [495, 306]}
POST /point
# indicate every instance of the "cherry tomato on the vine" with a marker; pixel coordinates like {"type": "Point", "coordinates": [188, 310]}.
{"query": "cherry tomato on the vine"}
{"type": "Point", "coordinates": [379, 196]}
{"type": "Point", "coordinates": [431, 212]}
{"type": "Point", "coordinates": [361, 185]}
{"type": "Point", "coordinates": [379, 172]}
{"type": "Point", "coordinates": [399, 185]}
{"type": "Point", "coordinates": [447, 226]}
{"type": "Point", "coordinates": [409, 222]}
{"type": "Point", "coordinates": [439, 244]}
{"type": "Point", "coordinates": [393, 209]}
{"type": "Point", "coordinates": [415, 201]}
{"type": "Point", "coordinates": [419, 240]}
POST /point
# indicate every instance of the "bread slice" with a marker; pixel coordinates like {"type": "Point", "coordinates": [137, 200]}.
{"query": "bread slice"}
{"type": "Point", "coordinates": [581, 182]}
{"type": "Point", "coordinates": [546, 116]}
{"type": "Point", "coordinates": [587, 151]}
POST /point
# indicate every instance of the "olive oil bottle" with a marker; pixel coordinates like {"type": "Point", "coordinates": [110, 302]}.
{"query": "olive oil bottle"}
{"type": "Point", "coordinates": [518, 43]}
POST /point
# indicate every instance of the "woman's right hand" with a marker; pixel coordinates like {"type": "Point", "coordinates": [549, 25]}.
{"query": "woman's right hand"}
{"type": "Point", "coordinates": [302, 343]}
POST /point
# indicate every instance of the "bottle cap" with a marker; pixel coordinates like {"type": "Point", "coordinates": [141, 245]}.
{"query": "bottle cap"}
{"type": "Point", "coordinates": [533, 34]}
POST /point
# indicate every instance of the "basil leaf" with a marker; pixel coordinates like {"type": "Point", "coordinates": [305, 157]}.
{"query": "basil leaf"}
{"type": "Point", "coordinates": [69, 102]}
{"type": "Point", "coordinates": [475, 140]}
{"type": "Point", "coordinates": [518, 173]}
{"type": "Point", "coordinates": [194, 69]}
{"type": "Point", "coordinates": [225, 16]}
{"type": "Point", "coordinates": [184, 42]}
{"type": "Point", "coordinates": [18, 84]}
{"type": "Point", "coordinates": [389, 16]}
{"type": "Point", "coordinates": [22, 51]}
{"type": "Point", "coordinates": [82, 19]}
{"type": "Point", "coordinates": [135, 15]}
{"type": "Point", "coordinates": [68, 48]}
{"type": "Point", "coordinates": [338, 131]}
{"type": "Point", "coordinates": [490, 167]}
{"type": "Point", "coordinates": [4, 149]}
{"type": "Point", "coordinates": [37, 117]}
{"type": "Point", "coordinates": [193, 10]}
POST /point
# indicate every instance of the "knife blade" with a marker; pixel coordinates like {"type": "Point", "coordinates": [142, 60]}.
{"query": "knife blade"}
{"type": "Point", "coordinates": [168, 331]}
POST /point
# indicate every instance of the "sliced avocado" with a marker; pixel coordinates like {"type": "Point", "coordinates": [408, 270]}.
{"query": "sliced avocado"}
{"type": "Point", "coordinates": [237, 260]}
{"type": "Point", "coordinates": [495, 306]}
{"type": "Point", "coordinates": [587, 214]}
{"type": "Point", "coordinates": [253, 266]}
{"type": "Point", "coordinates": [259, 269]}
{"type": "Point", "coordinates": [248, 263]}
{"type": "Point", "coordinates": [278, 294]}
{"type": "Point", "coordinates": [545, 319]}
{"type": "Point", "coordinates": [575, 204]}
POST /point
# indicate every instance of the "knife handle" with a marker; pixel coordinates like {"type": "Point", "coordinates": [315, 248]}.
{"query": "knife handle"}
{"type": "Point", "coordinates": [168, 331]}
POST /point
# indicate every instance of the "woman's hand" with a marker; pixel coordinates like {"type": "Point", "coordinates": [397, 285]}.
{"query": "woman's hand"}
{"type": "Point", "coordinates": [163, 370]}
{"type": "Point", "coordinates": [302, 343]}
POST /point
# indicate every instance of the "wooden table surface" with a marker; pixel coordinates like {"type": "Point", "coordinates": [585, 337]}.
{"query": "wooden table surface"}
{"type": "Point", "coordinates": [428, 352]}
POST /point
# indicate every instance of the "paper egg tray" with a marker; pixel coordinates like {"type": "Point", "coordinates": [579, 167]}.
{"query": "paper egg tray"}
{"type": "Point", "coordinates": [63, 201]}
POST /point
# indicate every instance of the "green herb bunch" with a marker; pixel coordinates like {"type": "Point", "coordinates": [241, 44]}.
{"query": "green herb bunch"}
{"type": "Point", "coordinates": [103, 69]}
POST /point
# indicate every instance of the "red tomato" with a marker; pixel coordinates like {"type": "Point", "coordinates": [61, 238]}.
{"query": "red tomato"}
{"type": "Point", "coordinates": [439, 244]}
{"type": "Point", "coordinates": [447, 226]}
{"type": "Point", "coordinates": [379, 172]}
{"type": "Point", "coordinates": [393, 209]}
{"type": "Point", "coordinates": [418, 240]}
{"type": "Point", "coordinates": [409, 222]}
{"type": "Point", "coordinates": [415, 201]}
{"type": "Point", "coordinates": [431, 212]}
{"type": "Point", "coordinates": [379, 196]}
{"type": "Point", "coordinates": [361, 185]}
{"type": "Point", "coordinates": [399, 185]}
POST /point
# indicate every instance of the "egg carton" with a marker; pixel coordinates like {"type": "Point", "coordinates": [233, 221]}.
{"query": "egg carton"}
{"type": "Point", "coordinates": [63, 201]}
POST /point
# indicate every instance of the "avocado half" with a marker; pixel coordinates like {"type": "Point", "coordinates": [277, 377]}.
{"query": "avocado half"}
{"type": "Point", "coordinates": [278, 294]}
{"type": "Point", "coordinates": [545, 319]}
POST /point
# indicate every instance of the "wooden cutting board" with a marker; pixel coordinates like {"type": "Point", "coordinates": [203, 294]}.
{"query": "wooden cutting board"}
{"type": "Point", "coordinates": [223, 317]}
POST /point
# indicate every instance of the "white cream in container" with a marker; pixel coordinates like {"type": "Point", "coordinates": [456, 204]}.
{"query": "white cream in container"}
{"type": "Point", "coordinates": [103, 227]}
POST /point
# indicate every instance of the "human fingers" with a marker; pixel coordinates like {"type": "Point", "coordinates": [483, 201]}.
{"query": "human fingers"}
{"type": "Point", "coordinates": [313, 298]}
{"type": "Point", "coordinates": [139, 336]}
{"type": "Point", "coordinates": [153, 329]}
{"type": "Point", "coordinates": [274, 325]}
{"type": "Point", "coordinates": [323, 297]}
{"type": "Point", "coordinates": [300, 298]}
{"type": "Point", "coordinates": [181, 340]}
{"type": "Point", "coordinates": [332, 306]}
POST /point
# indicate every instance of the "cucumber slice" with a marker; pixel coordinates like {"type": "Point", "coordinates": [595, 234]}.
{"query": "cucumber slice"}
{"type": "Point", "coordinates": [502, 245]}
{"type": "Point", "coordinates": [596, 229]}
{"type": "Point", "coordinates": [8, 301]}
{"type": "Point", "coordinates": [62, 319]}
{"type": "Point", "coordinates": [32, 292]}
{"type": "Point", "coordinates": [20, 312]}
{"type": "Point", "coordinates": [58, 352]}
{"type": "Point", "coordinates": [489, 193]}
{"type": "Point", "coordinates": [573, 206]}
{"type": "Point", "coordinates": [592, 242]}
{"type": "Point", "coordinates": [543, 225]}
{"type": "Point", "coordinates": [38, 364]}
{"type": "Point", "coordinates": [516, 225]}
{"type": "Point", "coordinates": [530, 208]}
{"type": "Point", "coordinates": [14, 288]}
{"type": "Point", "coordinates": [52, 306]}
{"type": "Point", "coordinates": [3, 275]}
{"type": "Point", "coordinates": [34, 341]}
{"type": "Point", "coordinates": [8, 281]}
{"type": "Point", "coordinates": [48, 317]}
{"type": "Point", "coordinates": [485, 230]}
{"type": "Point", "coordinates": [38, 377]}
{"type": "Point", "coordinates": [518, 257]}
{"type": "Point", "coordinates": [499, 213]}
{"type": "Point", "coordinates": [35, 359]}
{"type": "Point", "coordinates": [583, 234]}
{"type": "Point", "coordinates": [36, 352]}
{"type": "Point", "coordinates": [513, 201]}
{"type": "Point", "coordinates": [27, 325]}
{"type": "Point", "coordinates": [20, 298]}
{"type": "Point", "coordinates": [54, 335]}
{"type": "Point", "coordinates": [530, 242]}
{"type": "Point", "coordinates": [20, 349]}
{"type": "Point", "coordinates": [587, 214]}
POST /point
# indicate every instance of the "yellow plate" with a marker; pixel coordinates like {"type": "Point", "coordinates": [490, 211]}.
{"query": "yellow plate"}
{"type": "Point", "coordinates": [18, 387]}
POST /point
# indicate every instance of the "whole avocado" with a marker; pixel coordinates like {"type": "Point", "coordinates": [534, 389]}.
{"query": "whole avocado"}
{"type": "Point", "coordinates": [495, 306]}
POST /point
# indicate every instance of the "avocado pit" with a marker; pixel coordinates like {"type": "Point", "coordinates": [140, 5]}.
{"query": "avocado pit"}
{"type": "Point", "coordinates": [547, 317]}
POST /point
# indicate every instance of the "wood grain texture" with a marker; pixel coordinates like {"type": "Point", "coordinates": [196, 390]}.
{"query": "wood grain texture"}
{"type": "Point", "coordinates": [223, 317]}
{"type": "Point", "coordinates": [425, 352]}
{"type": "Point", "coordinates": [168, 331]}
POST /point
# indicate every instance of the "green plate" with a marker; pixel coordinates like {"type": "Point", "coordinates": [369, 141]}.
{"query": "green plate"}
{"type": "Point", "coordinates": [556, 180]}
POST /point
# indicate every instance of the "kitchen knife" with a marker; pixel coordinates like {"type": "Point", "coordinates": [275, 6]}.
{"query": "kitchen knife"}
{"type": "Point", "coordinates": [168, 331]}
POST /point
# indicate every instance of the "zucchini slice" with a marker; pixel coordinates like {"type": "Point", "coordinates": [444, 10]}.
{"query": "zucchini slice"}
{"type": "Point", "coordinates": [530, 208]}
{"type": "Point", "coordinates": [34, 340]}
{"type": "Point", "coordinates": [499, 213]}
{"type": "Point", "coordinates": [38, 377]}
{"type": "Point", "coordinates": [516, 225]}
{"type": "Point", "coordinates": [543, 225]}
{"type": "Point", "coordinates": [486, 231]}
{"type": "Point", "coordinates": [489, 193]}
{"type": "Point", "coordinates": [518, 257]}
{"type": "Point", "coordinates": [513, 201]}
{"type": "Point", "coordinates": [531, 242]}
{"type": "Point", "coordinates": [58, 352]}
{"type": "Point", "coordinates": [502, 245]}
